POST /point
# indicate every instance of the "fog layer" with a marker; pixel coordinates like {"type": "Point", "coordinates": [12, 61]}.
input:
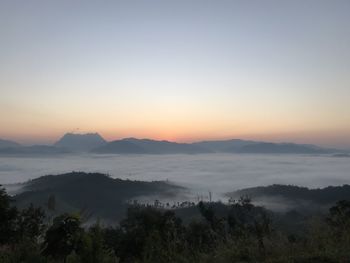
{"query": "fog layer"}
{"type": "Point", "coordinates": [218, 173]}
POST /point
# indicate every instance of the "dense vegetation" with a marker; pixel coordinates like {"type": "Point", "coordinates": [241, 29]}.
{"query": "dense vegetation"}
{"type": "Point", "coordinates": [241, 232]}
{"type": "Point", "coordinates": [302, 199]}
{"type": "Point", "coordinates": [328, 194]}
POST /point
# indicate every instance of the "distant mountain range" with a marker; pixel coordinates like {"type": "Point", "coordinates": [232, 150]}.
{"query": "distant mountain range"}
{"type": "Point", "coordinates": [225, 145]}
{"type": "Point", "coordinates": [265, 147]}
{"type": "Point", "coordinates": [33, 150]}
{"type": "Point", "coordinates": [94, 143]}
{"type": "Point", "coordinates": [146, 146]}
{"type": "Point", "coordinates": [8, 144]}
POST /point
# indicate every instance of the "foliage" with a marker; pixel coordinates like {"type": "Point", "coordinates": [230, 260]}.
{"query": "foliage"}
{"type": "Point", "coordinates": [238, 232]}
{"type": "Point", "coordinates": [63, 237]}
{"type": "Point", "coordinates": [8, 216]}
{"type": "Point", "coordinates": [30, 223]}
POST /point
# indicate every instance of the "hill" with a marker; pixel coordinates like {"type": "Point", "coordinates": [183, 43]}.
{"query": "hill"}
{"type": "Point", "coordinates": [80, 142]}
{"type": "Point", "coordinates": [93, 142]}
{"type": "Point", "coordinates": [8, 144]}
{"type": "Point", "coordinates": [98, 194]}
{"type": "Point", "coordinates": [32, 150]}
{"type": "Point", "coordinates": [224, 145]}
{"type": "Point", "coordinates": [140, 146]}
{"type": "Point", "coordinates": [147, 146]}
{"type": "Point", "coordinates": [120, 147]}
{"type": "Point", "coordinates": [265, 147]}
{"type": "Point", "coordinates": [286, 197]}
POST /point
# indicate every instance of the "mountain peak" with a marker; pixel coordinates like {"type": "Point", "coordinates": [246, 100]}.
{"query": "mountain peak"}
{"type": "Point", "coordinates": [80, 142]}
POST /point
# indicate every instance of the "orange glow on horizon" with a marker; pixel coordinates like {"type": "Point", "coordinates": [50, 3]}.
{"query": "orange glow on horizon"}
{"type": "Point", "coordinates": [329, 138]}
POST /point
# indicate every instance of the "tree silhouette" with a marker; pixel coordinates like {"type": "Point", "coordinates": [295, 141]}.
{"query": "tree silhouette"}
{"type": "Point", "coordinates": [30, 223]}
{"type": "Point", "coordinates": [63, 237]}
{"type": "Point", "coordinates": [8, 216]}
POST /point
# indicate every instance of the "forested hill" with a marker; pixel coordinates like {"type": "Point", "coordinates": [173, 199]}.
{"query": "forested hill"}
{"type": "Point", "coordinates": [296, 194]}
{"type": "Point", "coordinates": [97, 194]}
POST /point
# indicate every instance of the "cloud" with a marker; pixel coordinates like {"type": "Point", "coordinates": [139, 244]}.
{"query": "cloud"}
{"type": "Point", "coordinates": [218, 173]}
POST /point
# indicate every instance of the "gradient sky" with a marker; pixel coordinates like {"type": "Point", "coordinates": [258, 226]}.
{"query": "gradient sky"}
{"type": "Point", "coordinates": [180, 70]}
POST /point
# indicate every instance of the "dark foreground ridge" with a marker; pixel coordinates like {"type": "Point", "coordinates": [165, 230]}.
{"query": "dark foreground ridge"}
{"type": "Point", "coordinates": [234, 232]}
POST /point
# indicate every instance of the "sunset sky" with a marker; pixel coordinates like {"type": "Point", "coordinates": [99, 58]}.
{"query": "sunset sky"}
{"type": "Point", "coordinates": [180, 70]}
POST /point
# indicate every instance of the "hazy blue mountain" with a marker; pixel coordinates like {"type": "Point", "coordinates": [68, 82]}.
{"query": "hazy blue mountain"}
{"type": "Point", "coordinates": [33, 150]}
{"type": "Point", "coordinates": [139, 146]}
{"type": "Point", "coordinates": [93, 142]}
{"type": "Point", "coordinates": [144, 146]}
{"type": "Point", "coordinates": [243, 146]}
{"type": "Point", "coordinates": [8, 144]}
{"type": "Point", "coordinates": [120, 147]}
{"type": "Point", "coordinates": [224, 145]}
{"type": "Point", "coordinates": [97, 194]}
{"type": "Point", "coordinates": [265, 147]}
{"type": "Point", "coordinates": [80, 142]}
{"type": "Point", "coordinates": [341, 155]}
{"type": "Point", "coordinates": [166, 146]}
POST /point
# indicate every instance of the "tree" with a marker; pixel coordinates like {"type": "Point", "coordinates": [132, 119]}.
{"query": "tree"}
{"type": "Point", "coordinates": [8, 216]}
{"type": "Point", "coordinates": [63, 237]}
{"type": "Point", "coordinates": [30, 223]}
{"type": "Point", "coordinates": [246, 220]}
{"type": "Point", "coordinates": [51, 203]}
{"type": "Point", "coordinates": [92, 247]}
{"type": "Point", "coordinates": [339, 215]}
{"type": "Point", "coordinates": [216, 224]}
{"type": "Point", "coordinates": [200, 237]}
{"type": "Point", "coordinates": [149, 235]}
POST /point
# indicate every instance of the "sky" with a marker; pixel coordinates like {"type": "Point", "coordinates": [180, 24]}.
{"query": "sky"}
{"type": "Point", "coordinates": [182, 70]}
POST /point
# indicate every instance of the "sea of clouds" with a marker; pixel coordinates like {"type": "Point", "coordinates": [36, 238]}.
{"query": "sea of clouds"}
{"type": "Point", "coordinates": [217, 173]}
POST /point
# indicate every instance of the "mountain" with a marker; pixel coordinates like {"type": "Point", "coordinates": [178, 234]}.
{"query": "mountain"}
{"type": "Point", "coordinates": [266, 147]}
{"type": "Point", "coordinates": [244, 146]}
{"type": "Point", "coordinates": [121, 147]}
{"type": "Point", "coordinates": [33, 150]}
{"type": "Point", "coordinates": [142, 146]}
{"type": "Point", "coordinates": [223, 145]}
{"type": "Point", "coordinates": [93, 142]}
{"type": "Point", "coordinates": [8, 144]}
{"type": "Point", "coordinates": [97, 194]}
{"type": "Point", "coordinates": [147, 146]}
{"type": "Point", "coordinates": [341, 155]}
{"type": "Point", "coordinates": [80, 142]}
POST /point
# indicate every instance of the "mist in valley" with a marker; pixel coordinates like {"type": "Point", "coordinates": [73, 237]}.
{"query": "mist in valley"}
{"type": "Point", "coordinates": [201, 173]}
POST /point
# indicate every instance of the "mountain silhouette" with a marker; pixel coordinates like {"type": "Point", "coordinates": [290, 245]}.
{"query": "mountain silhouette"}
{"type": "Point", "coordinates": [80, 142]}
{"type": "Point", "coordinates": [265, 147]}
{"type": "Point", "coordinates": [8, 144]}
{"type": "Point", "coordinates": [141, 146]}
{"type": "Point", "coordinates": [33, 150]}
{"type": "Point", "coordinates": [148, 146]}
{"type": "Point", "coordinates": [120, 146]}
{"type": "Point", "coordinates": [224, 145]}
{"type": "Point", "coordinates": [93, 142]}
